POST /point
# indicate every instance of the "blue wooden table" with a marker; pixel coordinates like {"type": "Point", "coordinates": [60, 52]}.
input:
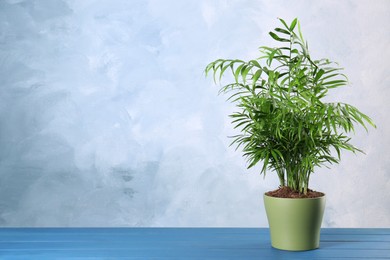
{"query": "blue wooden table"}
{"type": "Point", "coordinates": [183, 243]}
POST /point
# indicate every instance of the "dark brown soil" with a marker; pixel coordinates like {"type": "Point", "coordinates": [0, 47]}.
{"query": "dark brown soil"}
{"type": "Point", "coordinates": [287, 192]}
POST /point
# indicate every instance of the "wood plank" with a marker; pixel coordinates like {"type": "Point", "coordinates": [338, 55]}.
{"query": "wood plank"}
{"type": "Point", "coordinates": [188, 243]}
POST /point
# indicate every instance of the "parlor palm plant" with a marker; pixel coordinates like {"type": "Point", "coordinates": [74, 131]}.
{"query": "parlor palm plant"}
{"type": "Point", "coordinates": [284, 121]}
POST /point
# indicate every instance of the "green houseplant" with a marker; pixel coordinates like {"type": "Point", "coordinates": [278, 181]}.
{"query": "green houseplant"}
{"type": "Point", "coordinates": [286, 124]}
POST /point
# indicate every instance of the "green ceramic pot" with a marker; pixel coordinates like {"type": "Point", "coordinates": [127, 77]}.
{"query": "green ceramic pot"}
{"type": "Point", "coordinates": [295, 224]}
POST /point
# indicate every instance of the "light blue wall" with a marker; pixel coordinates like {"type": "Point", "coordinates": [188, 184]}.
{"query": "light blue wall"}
{"type": "Point", "coordinates": [107, 119]}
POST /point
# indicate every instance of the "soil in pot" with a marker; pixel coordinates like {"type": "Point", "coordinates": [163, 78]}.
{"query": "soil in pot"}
{"type": "Point", "coordinates": [287, 192]}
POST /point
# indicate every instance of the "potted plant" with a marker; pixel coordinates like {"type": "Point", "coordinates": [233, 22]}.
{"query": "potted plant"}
{"type": "Point", "coordinates": [287, 126]}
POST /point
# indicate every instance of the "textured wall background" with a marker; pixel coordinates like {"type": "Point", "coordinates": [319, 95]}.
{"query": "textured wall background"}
{"type": "Point", "coordinates": [107, 119]}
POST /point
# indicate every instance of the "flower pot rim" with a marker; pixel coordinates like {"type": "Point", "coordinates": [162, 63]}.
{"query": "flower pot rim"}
{"type": "Point", "coordinates": [316, 198]}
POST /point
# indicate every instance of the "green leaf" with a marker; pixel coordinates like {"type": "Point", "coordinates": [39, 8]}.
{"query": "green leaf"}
{"type": "Point", "coordinates": [255, 160]}
{"type": "Point", "coordinates": [279, 154]}
{"type": "Point", "coordinates": [265, 164]}
{"type": "Point", "coordinates": [282, 31]}
{"type": "Point", "coordinates": [331, 76]}
{"type": "Point", "coordinates": [284, 23]}
{"type": "Point", "coordinates": [255, 63]}
{"type": "Point", "coordinates": [223, 71]}
{"type": "Point", "coordinates": [319, 75]}
{"type": "Point", "coordinates": [276, 37]}
{"type": "Point", "coordinates": [274, 155]}
{"type": "Point", "coordinates": [292, 26]}
{"type": "Point", "coordinates": [330, 70]}
{"type": "Point", "coordinates": [300, 32]}
{"type": "Point", "coordinates": [336, 85]}
{"type": "Point", "coordinates": [334, 82]}
{"type": "Point", "coordinates": [244, 72]}
{"type": "Point", "coordinates": [271, 56]}
{"type": "Point", "coordinates": [368, 119]}
{"type": "Point", "coordinates": [238, 71]}
{"type": "Point", "coordinates": [256, 76]}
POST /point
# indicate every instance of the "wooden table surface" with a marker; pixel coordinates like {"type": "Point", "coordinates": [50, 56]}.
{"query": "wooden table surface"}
{"type": "Point", "coordinates": [183, 243]}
